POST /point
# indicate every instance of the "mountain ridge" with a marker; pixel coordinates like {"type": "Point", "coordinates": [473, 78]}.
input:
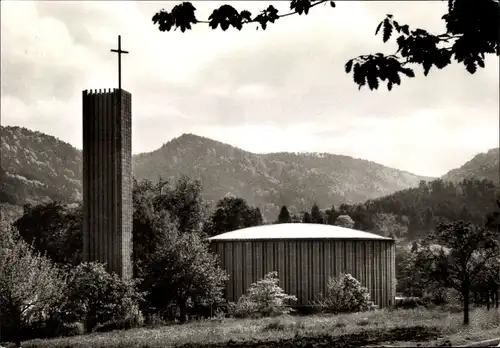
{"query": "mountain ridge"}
{"type": "Point", "coordinates": [37, 167]}
{"type": "Point", "coordinates": [484, 165]}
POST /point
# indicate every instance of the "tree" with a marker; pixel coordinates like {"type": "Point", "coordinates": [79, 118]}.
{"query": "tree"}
{"type": "Point", "coordinates": [181, 204]}
{"type": "Point", "coordinates": [181, 273]}
{"type": "Point", "coordinates": [331, 215]}
{"type": "Point", "coordinates": [284, 216]}
{"type": "Point", "coordinates": [184, 202]}
{"type": "Point", "coordinates": [257, 218]}
{"type": "Point", "coordinates": [232, 213]}
{"type": "Point", "coordinates": [493, 218]}
{"type": "Point", "coordinates": [471, 33]}
{"type": "Point", "coordinates": [306, 219]}
{"type": "Point", "coordinates": [466, 251]}
{"type": "Point", "coordinates": [344, 221]}
{"type": "Point", "coordinates": [316, 217]}
{"type": "Point", "coordinates": [387, 225]}
{"type": "Point", "coordinates": [54, 229]}
{"type": "Point", "coordinates": [29, 284]}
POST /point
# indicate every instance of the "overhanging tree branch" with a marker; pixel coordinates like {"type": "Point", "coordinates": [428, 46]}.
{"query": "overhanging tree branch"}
{"type": "Point", "coordinates": [471, 32]}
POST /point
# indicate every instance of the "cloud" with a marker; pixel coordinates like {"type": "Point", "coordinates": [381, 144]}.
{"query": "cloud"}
{"type": "Point", "coordinates": [283, 89]}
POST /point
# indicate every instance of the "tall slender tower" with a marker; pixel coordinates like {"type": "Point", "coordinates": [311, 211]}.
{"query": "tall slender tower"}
{"type": "Point", "coordinates": [107, 177]}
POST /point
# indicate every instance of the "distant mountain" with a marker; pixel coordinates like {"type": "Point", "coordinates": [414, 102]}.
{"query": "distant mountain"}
{"type": "Point", "coordinates": [482, 166]}
{"type": "Point", "coordinates": [271, 180]}
{"type": "Point", "coordinates": [36, 167]}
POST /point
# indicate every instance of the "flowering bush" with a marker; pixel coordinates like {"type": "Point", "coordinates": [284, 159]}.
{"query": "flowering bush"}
{"type": "Point", "coordinates": [344, 294]}
{"type": "Point", "coordinates": [263, 298]}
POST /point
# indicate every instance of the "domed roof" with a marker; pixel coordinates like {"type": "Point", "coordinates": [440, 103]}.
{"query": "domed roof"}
{"type": "Point", "coordinates": [296, 231]}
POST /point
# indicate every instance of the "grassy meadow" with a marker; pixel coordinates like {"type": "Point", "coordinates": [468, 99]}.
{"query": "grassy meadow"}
{"type": "Point", "coordinates": [438, 327]}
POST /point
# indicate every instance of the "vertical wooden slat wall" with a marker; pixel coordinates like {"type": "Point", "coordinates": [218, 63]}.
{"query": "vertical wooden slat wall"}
{"type": "Point", "coordinates": [248, 270]}
{"type": "Point", "coordinates": [238, 269]}
{"type": "Point", "coordinates": [304, 267]}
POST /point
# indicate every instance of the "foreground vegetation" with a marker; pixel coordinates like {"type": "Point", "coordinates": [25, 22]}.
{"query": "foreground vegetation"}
{"type": "Point", "coordinates": [435, 327]}
{"type": "Point", "coordinates": [46, 291]}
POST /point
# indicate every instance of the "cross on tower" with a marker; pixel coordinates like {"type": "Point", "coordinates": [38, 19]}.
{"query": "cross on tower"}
{"type": "Point", "coordinates": [119, 51]}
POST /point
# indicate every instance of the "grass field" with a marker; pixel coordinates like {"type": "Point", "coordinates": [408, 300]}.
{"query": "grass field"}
{"type": "Point", "coordinates": [282, 331]}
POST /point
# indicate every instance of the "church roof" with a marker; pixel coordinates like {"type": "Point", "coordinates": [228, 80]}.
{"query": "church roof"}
{"type": "Point", "coordinates": [296, 231]}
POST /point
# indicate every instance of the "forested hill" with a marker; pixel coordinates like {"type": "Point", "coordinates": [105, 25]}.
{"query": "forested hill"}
{"type": "Point", "coordinates": [423, 207]}
{"type": "Point", "coordinates": [272, 180]}
{"type": "Point", "coordinates": [482, 166]}
{"type": "Point", "coordinates": [36, 167]}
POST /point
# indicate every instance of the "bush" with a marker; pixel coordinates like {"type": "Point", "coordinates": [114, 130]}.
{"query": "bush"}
{"type": "Point", "coordinates": [29, 285]}
{"type": "Point", "coordinates": [344, 295]}
{"type": "Point", "coordinates": [70, 329]}
{"type": "Point", "coordinates": [154, 319]}
{"type": "Point", "coordinates": [244, 308]}
{"type": "Point", "coordinates": [96, 297]}
{"type": "Point", "coordinates": [411, 302]}
{"type": "Point", "coordinates": [263, 298]}
{"type": "Point", "coordinates": [120, 324]}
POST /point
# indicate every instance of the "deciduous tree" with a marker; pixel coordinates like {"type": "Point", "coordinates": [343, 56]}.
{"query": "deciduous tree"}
{"type": "Point", "coordinates": [344, 221]}
{"type": "Point", "coordinates": [465, 253]}
{"type": "Point", "coordinates": [232, 213]}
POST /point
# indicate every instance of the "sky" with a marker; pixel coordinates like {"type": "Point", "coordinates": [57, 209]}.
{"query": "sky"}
{"type": "Point", "coordinates": [283, 89]}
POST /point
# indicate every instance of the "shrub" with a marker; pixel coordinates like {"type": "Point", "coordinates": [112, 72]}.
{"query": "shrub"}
{"type": "Point", "coordinates": [344, 295]}
{"type": "Point", "coordinates": [120, 324]}
{"type": "Point", "coordinates": [243, 308]}
{"type": "Point", "coordinates": [70, 329]}
{"type": "Point", "coordinates": [96, 297]}
{"type": "Point", "coordinates": [154, 319]}
{"type": "Point", "coordinates": [264, 297]}
{"type": "Point", "coordinates": [410, 302]}
{"type": "Point", "coordinates": [29, 284]}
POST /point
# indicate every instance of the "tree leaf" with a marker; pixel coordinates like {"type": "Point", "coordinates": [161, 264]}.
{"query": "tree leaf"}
{"type": "Point", "coordinates": [348, 66]}
{"type": "Point", "coordinates": [378, 27]}
{"type": "Point", "coordinates": [471, 66]}
{"type": "Point", "coordinates": [408, 72]}
{"type": "Point", "coordinates": [387, 30]}
{"type": "Point", "coordinates": [426, 64]}
{"type": "Point", "coordinates": [372, 81]}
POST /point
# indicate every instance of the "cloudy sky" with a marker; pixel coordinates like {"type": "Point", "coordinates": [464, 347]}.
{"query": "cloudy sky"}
{"type": "Point", "coordinates": [284, 89]}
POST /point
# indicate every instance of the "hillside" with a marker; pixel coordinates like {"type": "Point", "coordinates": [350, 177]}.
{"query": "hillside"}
{"type": "Point", "coordinates": [271, 180]}
{"type": "Point", "coordinates": [482, 166]}
{"type": "Point", "coordinates": [433, 202]}
{"type": "Point", "coordinates": [37, 167]}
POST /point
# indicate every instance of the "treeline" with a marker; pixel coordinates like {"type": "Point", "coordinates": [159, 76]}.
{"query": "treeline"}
{"type": "Point", "coordinates": [411, 213]}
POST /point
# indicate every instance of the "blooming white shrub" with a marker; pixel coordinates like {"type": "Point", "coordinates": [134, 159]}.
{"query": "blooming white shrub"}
{"type": "Point", "coordinates": [344, 294]}
{"type": "Point", "coordinates": [263, 298]}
